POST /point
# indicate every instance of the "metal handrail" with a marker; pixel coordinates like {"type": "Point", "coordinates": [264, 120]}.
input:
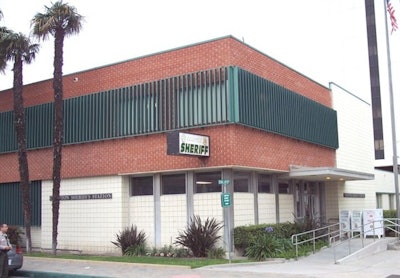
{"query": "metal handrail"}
{"type": "Point", "coordinates": [386, 223]}
{"type": "Point", "coordinates": [322, 232]}
{"type": "Point", "coordinates": [334, 234]}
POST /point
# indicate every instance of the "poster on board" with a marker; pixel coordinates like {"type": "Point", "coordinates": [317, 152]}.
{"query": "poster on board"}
{"type": "Point", "coordinates": [356, 222]}
{"type": "Point", "coordinates": [344, 221]}
{"type": "Point", "coordinates": [373, 222]}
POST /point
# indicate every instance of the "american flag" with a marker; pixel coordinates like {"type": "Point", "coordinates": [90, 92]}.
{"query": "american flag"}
{"type": "Point", "coordinates": [393, 20]}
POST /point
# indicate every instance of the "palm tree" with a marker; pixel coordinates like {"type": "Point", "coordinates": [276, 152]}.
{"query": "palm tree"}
{"type": "Point", "coordinates": [59, 21]}
{"type": "Point", "coordinates": [18, 48]}
{"type": "Point", "coordinates": [3, 32]}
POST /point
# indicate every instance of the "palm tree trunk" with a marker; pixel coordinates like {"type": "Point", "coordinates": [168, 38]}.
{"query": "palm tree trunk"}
{"type": "Point", "coordinates": [20, 127]}
{"type": "Point", "coordinates": [58, 133]}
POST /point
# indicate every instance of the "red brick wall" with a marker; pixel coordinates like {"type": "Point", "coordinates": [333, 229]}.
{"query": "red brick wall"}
{"type": "Point", "coordinates": [230, 145]}
{"type": "Point", "coordinates": [222, 52]}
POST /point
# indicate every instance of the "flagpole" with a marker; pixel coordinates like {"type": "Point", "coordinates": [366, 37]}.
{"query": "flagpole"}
{"type": "Point", "coordinates": [392, 116]}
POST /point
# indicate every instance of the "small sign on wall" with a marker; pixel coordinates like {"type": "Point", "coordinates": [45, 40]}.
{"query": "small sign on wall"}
{"type": "Point", "coordinates": [97, 196]}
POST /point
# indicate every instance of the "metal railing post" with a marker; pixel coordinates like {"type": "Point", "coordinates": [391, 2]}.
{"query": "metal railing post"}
{"type": "Point", "coordinates": [314, 241]}
{"type": "Point", "coordinates": [373, 227]}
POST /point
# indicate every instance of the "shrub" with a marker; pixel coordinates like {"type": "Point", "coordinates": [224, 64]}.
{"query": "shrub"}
{"type": "Point", "coordinates": [390, 213]}
{"type": "Point", "coordinates": [244, 234]}
{"type": "Point", "coordinates": [387, 214]}
{"type": "Point", "coordinates": [14, 235]}
{"type": "Point", "coordinates": [308, 223]}
{"type": "Point", "coordinates": [181, 253]}
{"type": "Point", "coordinates": [130, 241]}
{"type": "Point", "coordinates": [262, 247]}
{"type": "Point", "coordinates": [199, 237]}
{"type": "Point", "coordinates": [137, 250]}
{"type": "Point", "coordinates": [216, 253]}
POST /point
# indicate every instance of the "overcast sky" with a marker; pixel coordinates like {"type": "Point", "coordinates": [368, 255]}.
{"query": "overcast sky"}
{"type": "Point", "coordinates": [323, 39]}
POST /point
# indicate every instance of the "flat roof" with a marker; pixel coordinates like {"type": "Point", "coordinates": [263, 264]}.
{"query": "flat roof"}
{"type": "Point", "coordinates": [327, 174]}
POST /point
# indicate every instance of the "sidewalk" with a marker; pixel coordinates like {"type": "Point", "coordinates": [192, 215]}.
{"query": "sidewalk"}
{"type": "Point", "coordinates": [370, 262]}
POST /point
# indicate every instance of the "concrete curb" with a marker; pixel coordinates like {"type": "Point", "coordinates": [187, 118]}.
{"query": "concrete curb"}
{"type": "Point", "coordinates": [111, 262]}
{"type": "Point", "coordinates": [40, 274]}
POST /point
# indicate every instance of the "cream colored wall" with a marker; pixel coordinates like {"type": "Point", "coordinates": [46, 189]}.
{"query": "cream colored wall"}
{"type": "Point", "coordinates": [36, 237]}
{"type": "Point", "coordinates": [243, 209]}
{"type": "Point", "coordinates": [355, 132]}
{"type": "Point", "coordinates": [384, 181]}
{"type": "Point", "coordinates": [86, 225]}
{"type": "Point", "coordinates": [141, 214]}
{"type": "Point", "coordinates": [355, 152]}
{"type": "Point", "coordinates": [208, 205]}
{"type": "Point", "coordinates": [266, 208]}
{"type": "Point", "coordinates": [361, 187]}
{"type": "Point", "coordinates": [332, 205]}
{"type": "Point", "coordinates": [385, 201]}
{"type": "Point", "coordinates": [173, 217]}
{"type": "Point", "coordinates": [286, 208]}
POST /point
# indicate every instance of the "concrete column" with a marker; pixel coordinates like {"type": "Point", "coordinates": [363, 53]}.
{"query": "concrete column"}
{"type": "Point", "coordinates": [157, 210]}
{"type": "Point", "coordinates": [189, 195]}
{"type": "Point", "coordinates": [275, 188]}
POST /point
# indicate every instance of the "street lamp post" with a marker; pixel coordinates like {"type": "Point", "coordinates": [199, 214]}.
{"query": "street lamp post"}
{"type": "Point", "coordinates": [392, 116]}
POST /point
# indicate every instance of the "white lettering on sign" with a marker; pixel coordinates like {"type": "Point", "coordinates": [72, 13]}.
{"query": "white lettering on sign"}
{"type": "Point", "coordinates": [84, 197]}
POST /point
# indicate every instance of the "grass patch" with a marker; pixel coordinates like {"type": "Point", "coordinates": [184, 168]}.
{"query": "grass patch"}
{"type": "Point", "coordinates": [188, 262]}
{"type": "Point", "coordinates": [304, 250]}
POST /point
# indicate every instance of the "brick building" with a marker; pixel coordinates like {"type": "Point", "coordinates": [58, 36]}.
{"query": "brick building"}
{"type": "Point", "coordinates": [149, 141]}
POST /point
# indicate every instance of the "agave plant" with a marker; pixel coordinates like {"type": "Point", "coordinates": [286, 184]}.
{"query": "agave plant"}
{"type": "Point", "coordinates": [199, 237]}
{"type": "Point", "coordinates": [130, 240]}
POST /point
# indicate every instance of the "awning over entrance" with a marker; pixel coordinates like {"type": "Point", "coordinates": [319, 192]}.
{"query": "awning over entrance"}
{"type": "Point", "coordinates": [327, 174]}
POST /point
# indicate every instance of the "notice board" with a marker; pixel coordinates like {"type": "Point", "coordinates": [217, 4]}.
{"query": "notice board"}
{"type": "Point", "coordinates": [373, 222]}
{"type": "Point", "coordinates": [356, 221]}
{"type": "Point", "coordinates": [344, 221]}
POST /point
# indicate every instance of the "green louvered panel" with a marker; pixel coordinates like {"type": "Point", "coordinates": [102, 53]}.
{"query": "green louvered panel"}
{"type": "Point", "coordinates": [8, 139]}
{"type": "Point", "coordinates": [11, 211]}
{"type": "Point", "coordinates": [196, 99]}
{"type": "Point", "coordinates": [268, 106]}
{"type": "Point", "coordinates": [39, 126]}
{"type": "Point", "coordinates": [202, 98]}
{"type": "Point", "coordinates": [36, 199]}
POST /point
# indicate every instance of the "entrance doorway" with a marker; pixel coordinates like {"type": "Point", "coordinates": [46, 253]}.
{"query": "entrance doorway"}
{"type": "Point", "coordinates": [308, 200]}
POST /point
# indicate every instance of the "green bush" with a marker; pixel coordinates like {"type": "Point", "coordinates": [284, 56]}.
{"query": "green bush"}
{"type": "Point", "coordinates": [267, 245]}
{"type": "Point", "coordinates": [130, 241]}
{"type": "Point", "coordinates": [137, 250]}
{"type": "Point", "coordinates": [216, 253]}
{"type": "Point", "coordinates": [390, 213]}
{"type": "Point", "coordinates": [244, 234]}
{"type": "Point", "coordinates": [14, 235]}
{"type": "Point", "coordinates": [199, 237]}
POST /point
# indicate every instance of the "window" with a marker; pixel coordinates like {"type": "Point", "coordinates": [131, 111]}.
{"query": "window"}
{"type": "Point", "coordinates": [264, 184]}
{"type": "Point", "coordinates": [241, 182]}
{"type": "Point", "coordinates": [142, 186]}
{"type": "Point", "coordinates": [284, 188]}
{"type": "Point", "coordinates": [173, 184]}
{"type": "Point", "coordinates": [207, 182]}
